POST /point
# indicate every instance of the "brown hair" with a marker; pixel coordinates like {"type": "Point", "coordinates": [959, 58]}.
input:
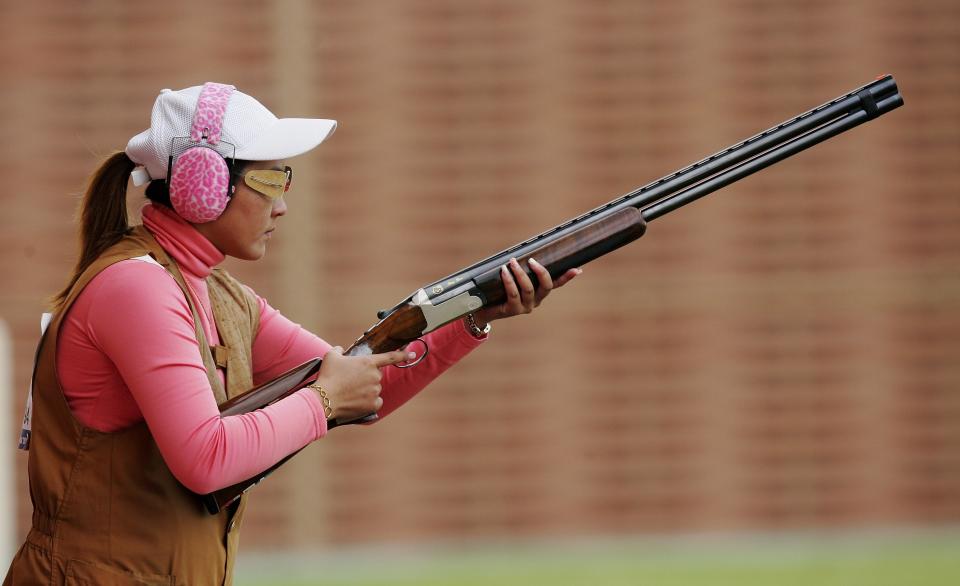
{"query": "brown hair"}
{"type": "Point", "coordinates": [102, 215]}
{"type": "Point", "coordinates": [103, 211]}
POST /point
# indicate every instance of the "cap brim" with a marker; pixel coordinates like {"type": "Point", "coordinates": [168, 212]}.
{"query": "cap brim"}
{"type": "Point", "coordinates": [287, 137]}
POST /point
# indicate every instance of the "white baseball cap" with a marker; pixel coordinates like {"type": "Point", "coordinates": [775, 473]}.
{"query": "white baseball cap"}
{"type": "Point", "coordinates": [256, 133]}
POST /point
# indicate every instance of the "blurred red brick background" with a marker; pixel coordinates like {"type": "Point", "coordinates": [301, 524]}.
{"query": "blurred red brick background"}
{"type": "Point", "coordinates": [781, 355]}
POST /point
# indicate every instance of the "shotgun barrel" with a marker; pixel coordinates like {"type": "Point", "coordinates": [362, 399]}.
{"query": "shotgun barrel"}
{"type": "Point", "coordinates": [703, 177]}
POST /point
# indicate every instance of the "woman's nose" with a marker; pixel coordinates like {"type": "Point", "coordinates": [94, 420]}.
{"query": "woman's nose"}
{"type": "Point", "coordinates": [279, 206]}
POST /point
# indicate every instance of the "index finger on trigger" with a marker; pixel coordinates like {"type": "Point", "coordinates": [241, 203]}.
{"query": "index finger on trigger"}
{"type": "Point", "coordinates": [395, 357]}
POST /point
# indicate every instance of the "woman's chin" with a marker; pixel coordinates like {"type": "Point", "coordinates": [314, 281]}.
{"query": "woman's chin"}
{"type": "Point", "coordinates": [253, 252]}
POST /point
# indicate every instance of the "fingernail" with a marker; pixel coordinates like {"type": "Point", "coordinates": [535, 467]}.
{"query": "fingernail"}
{"type": "Point", "coordinates": [411, 355]}
{"type": "Point", "coordinates": [532, 261]}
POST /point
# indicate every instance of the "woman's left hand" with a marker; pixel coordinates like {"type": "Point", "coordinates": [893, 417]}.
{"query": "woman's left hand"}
{"type": "Point", "coordinates": [522, 298]}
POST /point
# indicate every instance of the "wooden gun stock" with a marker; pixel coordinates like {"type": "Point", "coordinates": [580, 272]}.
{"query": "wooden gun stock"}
{"type": "Point", "coordinates": [257, 398]}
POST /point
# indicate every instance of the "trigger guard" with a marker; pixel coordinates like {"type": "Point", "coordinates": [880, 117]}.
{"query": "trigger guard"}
{"type": "Point", "coordinates": [426, 350]}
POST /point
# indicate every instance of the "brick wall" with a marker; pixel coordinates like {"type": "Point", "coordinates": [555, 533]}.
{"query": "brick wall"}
{"type": "Point", "coordinates": [782, 354]}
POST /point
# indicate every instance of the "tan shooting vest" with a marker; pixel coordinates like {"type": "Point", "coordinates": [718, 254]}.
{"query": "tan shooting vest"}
{"type": "Point", "coordinates": [107, 510]}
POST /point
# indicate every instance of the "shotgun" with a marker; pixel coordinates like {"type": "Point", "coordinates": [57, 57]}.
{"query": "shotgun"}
{"type": "Point", "coordinates": [579, 241]}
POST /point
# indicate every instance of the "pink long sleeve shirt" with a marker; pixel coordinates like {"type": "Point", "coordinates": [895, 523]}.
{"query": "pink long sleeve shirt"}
{"type": "Point", "coordinates": [128, 352]}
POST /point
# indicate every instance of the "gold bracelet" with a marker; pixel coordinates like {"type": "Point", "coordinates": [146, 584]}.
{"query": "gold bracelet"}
{"type": "Point", "coordinates": [324, 399]}
{"type": "Point", "coordinates": [475, 330]}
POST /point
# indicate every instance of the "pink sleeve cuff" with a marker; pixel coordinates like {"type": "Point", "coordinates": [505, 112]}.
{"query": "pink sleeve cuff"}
{"type": "Point", "coordinates": [316, 407]}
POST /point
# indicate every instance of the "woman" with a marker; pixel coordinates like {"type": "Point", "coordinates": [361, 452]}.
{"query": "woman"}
{"type": "Point", "coordinates": [148, 337]}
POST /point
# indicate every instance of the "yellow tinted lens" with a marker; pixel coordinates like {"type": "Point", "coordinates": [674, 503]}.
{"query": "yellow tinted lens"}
{"type": "Point", "coordinates": [267, 181]}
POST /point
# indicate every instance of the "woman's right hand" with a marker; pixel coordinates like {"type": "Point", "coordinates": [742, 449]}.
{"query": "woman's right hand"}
{"type": "Point", "coordinates": [352, 383]}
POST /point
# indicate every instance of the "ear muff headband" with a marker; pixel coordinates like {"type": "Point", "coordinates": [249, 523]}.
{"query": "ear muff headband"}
{"type": "Point", "coordinates": [200, 176]}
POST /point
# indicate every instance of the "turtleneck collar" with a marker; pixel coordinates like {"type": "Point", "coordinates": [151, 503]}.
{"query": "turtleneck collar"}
{"type": "Point", "coordinates": [192, 251]}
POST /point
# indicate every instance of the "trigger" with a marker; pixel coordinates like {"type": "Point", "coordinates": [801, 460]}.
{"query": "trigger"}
{"type": "Point", "coordinates": [426, 350]}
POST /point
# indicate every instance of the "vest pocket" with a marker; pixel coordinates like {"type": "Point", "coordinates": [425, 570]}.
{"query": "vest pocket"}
{"type": "Point", "coordinates": [80, 573]}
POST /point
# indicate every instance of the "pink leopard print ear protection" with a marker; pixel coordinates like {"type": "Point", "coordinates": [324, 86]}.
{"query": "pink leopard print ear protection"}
{"type": "Point", "coordinates": [199, 178]}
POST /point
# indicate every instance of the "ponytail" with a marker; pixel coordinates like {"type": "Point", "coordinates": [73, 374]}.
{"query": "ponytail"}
{"type": "Point", "coordinates": [102, 215]}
